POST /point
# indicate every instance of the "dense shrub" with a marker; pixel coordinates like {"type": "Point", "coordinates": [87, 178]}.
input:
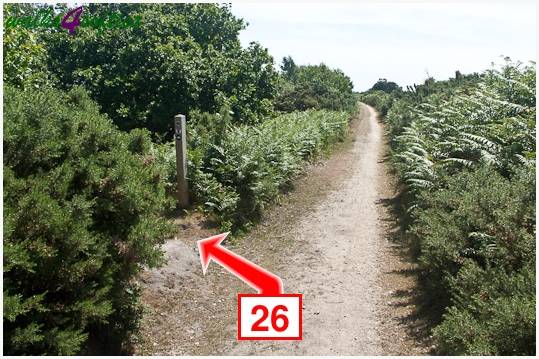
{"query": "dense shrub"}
{"type": "Point", "coordinates": [465, 148]}
{"type": "Point", "coordinates": [313, 87]}
{"type": "Point", "coordinates": [380, 100]}
{"type": "Point", "coordinates": [477, 240]}
{"type": "Point", "coordinates": [25, 57]}
{"type": "Point", "coordinates": [235, 171]}
{"type": "Point", "coordinates": [385, 86]}
{"type": "Point", "coordinates": [183, 57]}
{"type": "Point", "coordinates": [248, 165]}
{"type": "Point", "coordinates": [83, 207]}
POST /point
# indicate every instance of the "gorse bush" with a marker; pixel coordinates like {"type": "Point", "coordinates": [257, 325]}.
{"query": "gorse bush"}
{"type": "Point", "coordinates": [465, 148]}
{"type": "Point", "coordinates": [478, 243]}
{"type": "Point", "coordinates": [83, 206]}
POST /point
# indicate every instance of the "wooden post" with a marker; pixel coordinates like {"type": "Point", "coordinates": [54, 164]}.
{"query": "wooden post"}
{"type": "Point", "coordinates": [181, 160]}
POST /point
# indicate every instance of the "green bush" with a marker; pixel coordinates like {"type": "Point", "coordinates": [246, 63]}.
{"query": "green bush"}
{"type": "Point", "coordinates": [183, 57]}
{"type": "Point", "coordinates": [25, 56]}
{"type": "Point", "coordinates": [465, 148]}
{"type": "Point", "coordinates": [478, 215]}
{"type": "Point", "coordinates": [313, 87]}
{"type": "Point", "coordinates": [235, 171]}
{"type": "Point", "coordinates": [83, 207]}
{"type": "Point", "coordinates": [477, 240]}
{"type": "Point", "coordinates": [494, 315]}
{"type": "Point", "coordinates": [378, 99]}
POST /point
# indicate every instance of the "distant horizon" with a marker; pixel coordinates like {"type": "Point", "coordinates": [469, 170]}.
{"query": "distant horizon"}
{"type": "Point", "coordinates": [404, 43]}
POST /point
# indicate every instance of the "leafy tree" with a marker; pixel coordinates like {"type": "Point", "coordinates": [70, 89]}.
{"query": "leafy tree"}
{"type": "Point", "coordinates": [313, 86]}
{"type": "Point", "coordinates": [183, 57]}
{"type": "Point", "coordinates": [83, 206]}
{"type": "Point", "coordinates": [288, 67]}
{"type": "Point", "coordinates": [386, 86]}
{"type": "Point", "coordinates": [25, 56]}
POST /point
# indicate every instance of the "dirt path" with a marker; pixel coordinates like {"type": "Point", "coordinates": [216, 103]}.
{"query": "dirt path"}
{"type": "Point", "coordinates": [329, 239]}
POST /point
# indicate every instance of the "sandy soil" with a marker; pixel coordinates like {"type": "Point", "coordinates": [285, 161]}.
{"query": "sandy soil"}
{"type": "Point", "coordinates": [331, 238]}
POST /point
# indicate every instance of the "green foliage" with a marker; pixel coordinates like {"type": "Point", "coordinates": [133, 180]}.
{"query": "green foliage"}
{"type": "Point", "coordinates": [430, 87]}
{"type": "Point", "coordinates": [313, 87]}
{"type": "Point", "coordinates": [183, 57]}
{"type": "Point", "coordinates": [24, 55]}
{"type": "Point", "coordinates": [83, 207]}
{"type": "Point", "coordinates": [497, 319]}
{"type": "Point", "coordinates": [385, 86]}
{"type": "Point", "coordinates": [243, 170]}
{"type": "Point", "coordinates": [472, 127]}
{"type": "Point", "coordinates": [465, 148]}
{"type": "Point", "coordinates": [477, 240]}
{"type": "Point", "coordinates": [478, 215]}
{"type": "Point", "coordinates": [378, 99]}
{"type": "Point", "coordinates": [236, 171]}
{"type": "Point", "coordinates": [84, 201]}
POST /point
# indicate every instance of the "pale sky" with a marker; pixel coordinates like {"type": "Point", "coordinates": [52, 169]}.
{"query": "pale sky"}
{"type": "Point", "coordinates": [398, 41]}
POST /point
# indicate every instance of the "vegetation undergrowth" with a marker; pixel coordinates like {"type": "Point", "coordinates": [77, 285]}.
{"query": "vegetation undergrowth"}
{"type": "Point", "coordinates": [236, 171]}
{"type": "Point", "coordinates": [83, 214]}
{"type": "Point", "coordinates": [89, 166]}
{"type": "Point", "coordinates": [465, 150]}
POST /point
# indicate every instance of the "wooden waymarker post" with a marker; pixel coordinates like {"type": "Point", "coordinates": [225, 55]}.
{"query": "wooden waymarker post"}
{"type": "Point", "coordinates": [181, 161]}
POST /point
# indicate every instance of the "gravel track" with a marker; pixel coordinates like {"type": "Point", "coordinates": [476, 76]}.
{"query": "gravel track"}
{"type": "Point", "coordinates": [328, 239]}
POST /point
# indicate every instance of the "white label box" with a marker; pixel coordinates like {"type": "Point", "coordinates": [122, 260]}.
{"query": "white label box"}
{"type": "Point", "coordinates": [270, 317]}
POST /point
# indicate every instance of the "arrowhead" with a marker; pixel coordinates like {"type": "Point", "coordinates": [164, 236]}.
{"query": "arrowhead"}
{"type": "Point", "coordinates": [207, 246]}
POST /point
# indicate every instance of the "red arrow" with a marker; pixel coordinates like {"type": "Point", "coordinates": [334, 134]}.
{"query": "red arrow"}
{"type": "Point", "coordinates": [257, 277]}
